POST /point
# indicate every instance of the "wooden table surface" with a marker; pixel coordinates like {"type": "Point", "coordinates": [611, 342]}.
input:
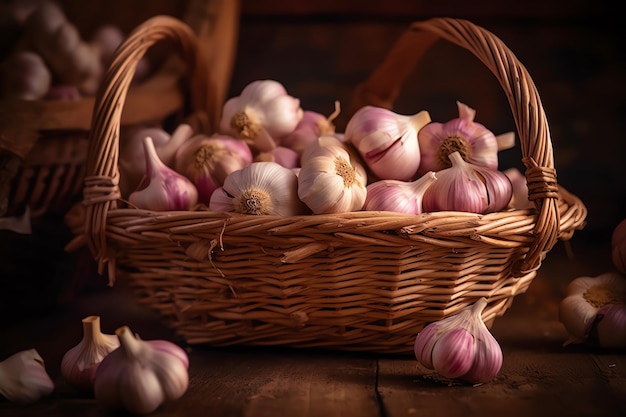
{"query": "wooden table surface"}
{"type": "Point", "coordinates": [539, 376]}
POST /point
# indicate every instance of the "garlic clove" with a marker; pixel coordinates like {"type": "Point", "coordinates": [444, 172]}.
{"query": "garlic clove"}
{"type": "Point", "coordinates": [162, 188]}
{"type": "Point", "coordinates": [424, 343]}
{"type": "Point", "coordinates": [80, 363]}
{"type": "Point", "coordinates": [23, 377]}
{"type": "Point", "coordinates": [578, 317]}
{"type": "Point", "coordinates": [453, 353]}
{"type": "Point", "coordinates": [487, 358]}
{"type": "Point", "coordinates": [611, 326]}
{"type": "Point", "coordinates": [398, 196]}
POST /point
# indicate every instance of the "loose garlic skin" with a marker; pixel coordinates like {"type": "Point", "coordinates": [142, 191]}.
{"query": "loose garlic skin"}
{"type": "Point", "coordinates": [460, 346]}
{"type": "Point", "coordinates": [261, 115]}
{"type": "Point", "coordinates": [387, 141]}
{"type": "Point", "coordinates": [141, 375]}
{"type": "Point", "coordinates": [23, 378]}
{"type": "Point", "coordinates": [330, 179]}
{"type": "Point", "coordinates": [80, 363]}
{"type": "Point", "coordinates": [476, 144]}
{"type": "Point", "coordinates": [594, 309]}
{"type": "Point", "coordinates": [261, 188]}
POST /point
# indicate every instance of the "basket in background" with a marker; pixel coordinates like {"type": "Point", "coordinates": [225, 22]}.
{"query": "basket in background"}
{"type": "Point", "coordinates": [361, 281]}
{"type": "Point", "coordinates": [43, 143]}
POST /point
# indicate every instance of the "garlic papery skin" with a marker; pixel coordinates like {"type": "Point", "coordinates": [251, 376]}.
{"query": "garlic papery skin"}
{"type": "Point", "coordinates": [162, 188]}
{"type": "Point", "coordinates": [262, 114]}
{"type": "Point", "coordinates": [80, 363]}
{"type": "Point", "coordinates": [331, 180]}
{"type": "Point", "coordinates": [261, 188]}
{"type": "Point", "coordinates": [312, 126]}
{"type": "Point", "coordinates": [23, 377]}
{"type": "Point", "coordinates": [468, 188]}
{"type": "Point", "coordinates": [208, 160]}
{"type": "Point", "coordinates": [475, 143]}
{"type": "Point", "coordinates": [132, 162]}
{"type": "Point", "coordinates": [460, 346]}
{"type": "Point", "coordinates": [398, 196]}
{"type": "Point", "coordinates": [141, 375]}
{"type": "Point", "coordinates": [594, 310]}
{"type": "Point", "coordinates": [387, 141]}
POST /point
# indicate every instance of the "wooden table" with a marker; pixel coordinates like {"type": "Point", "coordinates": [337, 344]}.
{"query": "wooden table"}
{"type": "Point", "coordinates": [539, 376]}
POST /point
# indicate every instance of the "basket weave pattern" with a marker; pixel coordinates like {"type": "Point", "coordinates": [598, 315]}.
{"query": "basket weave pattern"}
{"type": "Point", "coordinates": [364, 280]}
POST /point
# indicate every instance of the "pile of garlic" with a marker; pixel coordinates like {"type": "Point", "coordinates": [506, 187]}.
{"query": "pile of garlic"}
{"type": "Point", "coordinates": [49, 58]}
{"type": "Point", "coordinates": [271, 156]}
{"type": "Point", "coordinates": [122, 371]}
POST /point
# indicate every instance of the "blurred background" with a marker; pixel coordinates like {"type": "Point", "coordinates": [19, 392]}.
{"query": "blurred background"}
{"type": "Point", "coordinates": [320, 50]}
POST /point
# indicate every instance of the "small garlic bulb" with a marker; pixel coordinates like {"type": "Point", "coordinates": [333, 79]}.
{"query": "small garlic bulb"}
{"type": "Point", "coordinates": [79, 364]}
{"type": "Point", "coordinates": [262, 114]}
{"type": "Point", "coordinates": [23, 377]}
{"type": "Point", "coordinates": [460, 346]}
{"type": "Point", "coordinates": [141, 375]}
{"type": "Point", "coordinates": [207, 161]}
{"type": "Point", "coordinates": [312, 126]}
{"type": "Point", "coordinates": [476, 144]}
{"type": "Point", "coordinates": [282, 155]}
{"type": "Point", "coordinates": [469, 188]}
{"type": "Point", "coordinates": [261, 188]}
{"type": "Point", "coordinates": [398, 196]}
{"type": "Point", "coordinates": [162, 188]}
{"type": "Point", "coordinates": [26, 76]}
{"type": "Point", "coordinates": [331, 180]}
{"type": "Point", "coordinates": [594, 310]}
{"type": "Point", "coordinates": [387, 141]}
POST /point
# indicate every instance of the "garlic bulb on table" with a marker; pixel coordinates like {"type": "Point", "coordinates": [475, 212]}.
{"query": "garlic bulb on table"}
{"type": "Point", "coordinates": [141, 375]}
{"type": "Point", "coordinates": [460, 346]}
{"type": "Point", "coordinates": [475, 143]}
{"type": "Point", "coordinates": [387, 141]}
{"type": "Point", "coordinates": [80, 363]}
{"type": "Point", "coordinates": [331, 180]}
{"type": "Point", "coordinates": [261, 115]}
{"type": "Point", "coordinates": [594, 310]}
{"type": "Point", "coordinates": [261, 188]}
{"type": "Point", "coordinates": [23, 377]}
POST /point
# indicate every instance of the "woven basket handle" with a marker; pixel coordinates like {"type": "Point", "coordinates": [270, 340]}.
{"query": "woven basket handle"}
{"type": "Point", "coordinates": [101, 189]}
{"type": "Point", "coordinates": [383, 86]}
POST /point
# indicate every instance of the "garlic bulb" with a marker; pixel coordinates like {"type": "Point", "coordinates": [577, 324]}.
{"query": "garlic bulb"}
{"type": "Point", "coordinates": [207, 161]}
{"type": "Point", "coordinates": [594, 310]}
{"type": "Point", "coordinates": [141, 375]}
{"type": "Point", "coordinates": [312, 126]}
{"type": "Point", "coordinates": [132, 161]}
{"type": "Point", "coordinates": [79, 364]}
{"type": "Point", "coordinates": [618, 246]}
{"type": "Point", "coordinates": [261, 188]}
{"type": "Point", "coordinates": [262, 114]}
{"type": "Point", "coordinates": [25, 76]}
{"type": "Point", "coordinates": [387, 141]}
{"type": "Point", "coordinates": [469, 188]}
{"type": "Point", "coordinates": [460, 346]}
{"type": "Point", "coordinates": [330, 179]}
{"type": "Point", "coordinates": [476, 144]}
{"type": "Point", "coordinates": [282, 155]}
{"type": "Point", "coordinates": [398, 196]}
{"type": "Point", "coordinates": [519, 198]}
{"type": "Point", "coordinates": [23, 377]}
{"type": "Point", "coordinates": [162, 188]}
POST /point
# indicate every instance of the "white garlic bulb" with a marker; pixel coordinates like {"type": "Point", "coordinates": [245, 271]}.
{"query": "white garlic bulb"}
{"type": "Point", "coordinates": [80, 363]}
{"type": "Point", "coordinates": [141, 375]}
{"type": "Point", "coordinates": [387, 141]}
{"type": "Point", "coordinates": [262, 114]}
{"type": "Point", "coordinates": [330, 179]}
{"type": "Point", "coordinates": [261, 188]}
{"type": "Point", "coordinates": [460, 346]}
{"type": "Point", "coordinates": [23, 377]}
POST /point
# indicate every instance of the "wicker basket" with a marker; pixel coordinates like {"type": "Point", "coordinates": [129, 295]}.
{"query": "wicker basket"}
{"type": "Point", "coordinates": [43, 144]}
{"type": "Point", "coordinates": [362, 281]}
